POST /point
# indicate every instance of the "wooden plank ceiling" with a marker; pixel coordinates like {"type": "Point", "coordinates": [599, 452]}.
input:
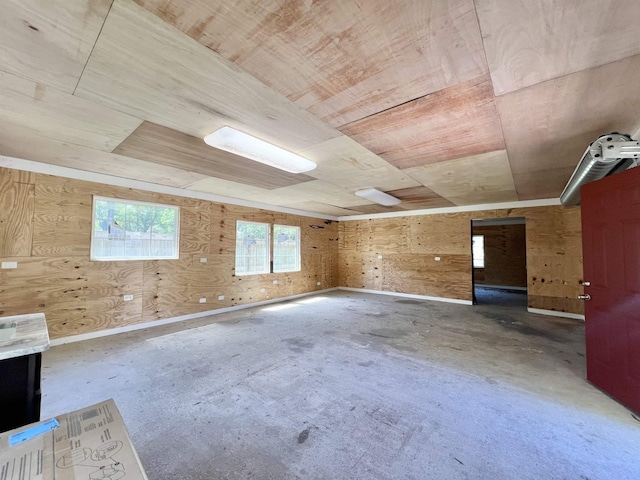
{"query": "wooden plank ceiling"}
{"type": "Point", "coordinates": [438, 102]}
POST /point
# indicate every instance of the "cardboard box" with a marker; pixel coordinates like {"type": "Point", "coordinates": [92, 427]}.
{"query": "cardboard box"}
{"type": "Point", "coordinates": [89, 444]}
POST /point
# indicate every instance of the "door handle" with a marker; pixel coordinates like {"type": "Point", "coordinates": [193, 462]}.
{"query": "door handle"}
{"type": "Point", "coordinates": [584, 297]}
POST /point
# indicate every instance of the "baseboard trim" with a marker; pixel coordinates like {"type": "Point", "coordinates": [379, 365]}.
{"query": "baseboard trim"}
{"type": "Point", "coordinates": [502, 287]}
{"type": "Point", "coordinates": [182, 318]}
{"type": "Point", "coordinates": [554, 313]}
{"type": "Point", "coordinates": [408, 295]}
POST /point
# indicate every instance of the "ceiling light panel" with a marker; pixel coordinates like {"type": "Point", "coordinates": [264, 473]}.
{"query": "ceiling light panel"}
{"type": "Point", "coordinates": [239, 143]}
{"type": "Point", "coordinates": [378, 197]}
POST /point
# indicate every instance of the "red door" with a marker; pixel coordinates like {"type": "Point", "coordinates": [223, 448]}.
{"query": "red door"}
{"type": "Point", "coordinates": [611, 248]}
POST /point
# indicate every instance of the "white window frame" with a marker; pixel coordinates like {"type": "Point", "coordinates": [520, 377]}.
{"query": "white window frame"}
{"type": "Point", "coordinates": [239, 269]}
{"type": "Point", "coordinates": [298, 265]}
{"type": "Point", "coordinates": [175, 248]}
{"type": "Point", "coordinates": [478, 260]}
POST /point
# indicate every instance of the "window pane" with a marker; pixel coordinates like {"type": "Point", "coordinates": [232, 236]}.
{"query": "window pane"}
{"type": "Point", "coordinates": [478, 251]}
{"type": "Point", "coordinates": [252, 248]}
{"type": "Point", "coordinates": [127, 230]}
{"type": "Point", "coordinates": [286, 248]}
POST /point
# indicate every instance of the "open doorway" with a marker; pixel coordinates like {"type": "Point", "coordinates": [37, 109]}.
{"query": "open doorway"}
{"type": "Point", "coordinates": [499, 261]}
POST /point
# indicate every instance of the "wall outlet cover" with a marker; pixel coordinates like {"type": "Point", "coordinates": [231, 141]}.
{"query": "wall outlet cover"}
{"type": "Point", "coordinates": [9, 264]}
{"type": "Point", "coordinates": [203, 300]}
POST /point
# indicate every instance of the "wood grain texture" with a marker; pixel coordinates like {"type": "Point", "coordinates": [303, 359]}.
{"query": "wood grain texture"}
{"type": "Point", "coordinates": [81, 296]}
{"type": "Point", "coordinates": [460, 120]}
{"type": "Point", "coordinates": [419, 197]}
{"type": "Point", "coordinates": [505, 259]}
{"type": "Point", "coordinates": [423, 275]}
{"type": "Point", "coordinates": [145, 67]}
{"type": "Point", "coordinates": [484, 178]}
{"type": "Point", "coordinates": [558, 304]}
{"type": "Point", "coordinates": [344, 162]}
{"type": "Point", "coordinates": [76, 295]}
{"type": "Point", "coordinates": [49, 42]}
{"type": "Point", "coordinates": [552, 230]}
{"type": "Point", "coordinates": [164, 146]}
{"type": "Point", "coordinates": [314, 191]}
{"type": "Point", "coordinates": [375, 208]}
{"type": "Point", "coordinates": [352, 59]}
{"type": "Point", "coordinates": [527, 43]}
{"type": "Point", "coordinates": [16, 213]}
{"type": "Point", "coordinates": [547, 127]}
{"type": "Point", "coordinates": [46, 112]}
{"type": "Point", "coordinates": [446, 234]}
{"type": "Point", "coordinates": [21, 143]}
{"type": "Point", "coordinates": [553, 250]}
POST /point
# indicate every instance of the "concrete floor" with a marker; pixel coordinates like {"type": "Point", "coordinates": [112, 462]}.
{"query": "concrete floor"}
{"type": "Point", "coordinates": [348, 385]}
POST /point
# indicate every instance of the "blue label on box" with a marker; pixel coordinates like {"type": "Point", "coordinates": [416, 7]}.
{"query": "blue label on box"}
{"type": "Point", "coordinates": [32, 432]}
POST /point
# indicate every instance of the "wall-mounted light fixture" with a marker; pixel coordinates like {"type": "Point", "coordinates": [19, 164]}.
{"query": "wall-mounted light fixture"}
{"type": "Point", "coordinates": [378, 197]}
{"type": "Point", "coordinates": [239, 143]}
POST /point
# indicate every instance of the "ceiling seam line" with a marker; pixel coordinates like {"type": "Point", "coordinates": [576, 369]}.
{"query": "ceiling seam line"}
{"type": "Point", "coordinates": [93, 47]}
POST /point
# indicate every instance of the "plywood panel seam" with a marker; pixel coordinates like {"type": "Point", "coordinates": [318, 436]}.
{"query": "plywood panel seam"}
{"type": "Point", "coordinates": [104, 20]}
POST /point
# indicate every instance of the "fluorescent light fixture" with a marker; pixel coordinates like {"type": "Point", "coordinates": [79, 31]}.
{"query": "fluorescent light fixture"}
{"type": "Point", "coordinates": [239, 143]}
{"type": "Point", "coordinates": [378, 197]}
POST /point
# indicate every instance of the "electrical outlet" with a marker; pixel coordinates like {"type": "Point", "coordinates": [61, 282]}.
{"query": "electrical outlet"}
{"type": "Point", "coordinates": [319, 283]}
{"type": "Point", "coordinates": [437, 259]}
{"type": "Point", "coordinates": [262, 290]}
{"type": "Point", "coordinates": [275, 282]}
{"type": "Point", "coordinates": [203, 300]}
{"type": "Point", "coordinates": [127, 298]}
{"type": "Point", "coordinates": [379, 257]}
{"type": "Point", "coordinates": [203, 260]}
{"type": "Point", "coordinates": [220, 298]}
{"type": "Point", "coordinates": [9, 264]}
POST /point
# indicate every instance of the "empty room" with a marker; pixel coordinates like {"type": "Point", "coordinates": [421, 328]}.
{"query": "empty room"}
{"type": "Point", "coordinates": [302, 239]}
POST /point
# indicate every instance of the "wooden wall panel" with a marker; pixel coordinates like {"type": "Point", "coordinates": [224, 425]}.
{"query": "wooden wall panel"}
{"type": "Point", "coordinates": [505, 256]}
{"type": "Point", "coordinates": [55, 275]}
{"type": "Point", "coordinates": [449, 277]}
{"type": "Point", "coordinates": [17, 192]}
{"type": "Point", "coordinates": [553, 250]}
{"type": "Point", "coordinates": [76, 295]}
{"type": "Point", "coordinates": [441, 234]}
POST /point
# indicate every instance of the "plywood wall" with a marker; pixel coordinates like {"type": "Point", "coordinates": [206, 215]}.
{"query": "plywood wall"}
{"type": "Point", "coordinates": [45, 226]}
{"type": "Point", "coordinates": [505, 262]}
{"type": "Point", "coordinates": [399, 255]}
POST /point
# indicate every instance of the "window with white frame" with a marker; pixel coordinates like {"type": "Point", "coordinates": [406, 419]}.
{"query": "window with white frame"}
{"type": "Point", "coordinates": [131, 230]}
{"type": "Point", "coordinates": [252, 248]}
{"type": "Point", "coordinates": [286, 248]}
{"type": "Point", "coordinates": [477, 242]}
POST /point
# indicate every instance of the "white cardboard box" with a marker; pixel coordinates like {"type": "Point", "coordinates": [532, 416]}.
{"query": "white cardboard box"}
{"type": "Point", "coordinates": [89, 444]}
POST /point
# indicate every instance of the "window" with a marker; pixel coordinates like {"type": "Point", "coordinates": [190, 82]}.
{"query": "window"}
{"type": "Point", "coordinates": [129, 230]}
{"type": "Point", "coordinates": [478, 251]}
{"type": "Point", "coordinates": [252, 248]}
{"type": "Point", "coordinates": [286, 248]}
